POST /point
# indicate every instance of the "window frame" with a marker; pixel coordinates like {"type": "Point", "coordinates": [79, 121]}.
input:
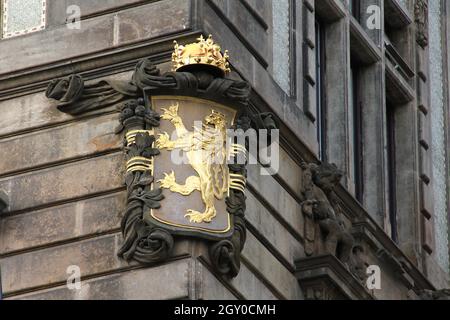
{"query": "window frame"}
{"type": "Point", "coordinates": [321, 105]}
{"type": "Point", "coordinates": [391, 170]}
{"type": "Point", "coordinates": [3, 21]}
{"type": "Point", "coordinates": [357, 128]}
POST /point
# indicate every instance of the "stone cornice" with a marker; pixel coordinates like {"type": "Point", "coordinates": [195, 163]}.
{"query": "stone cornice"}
{"type": "Point", "coordinates": [327, 273]}
{"type": "Point", "coordinates": [90, 66]}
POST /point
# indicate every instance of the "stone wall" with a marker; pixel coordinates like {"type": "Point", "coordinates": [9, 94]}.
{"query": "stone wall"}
{"type": "Point", "coordinates": [64, 175]}
{"type": "Point", "coordinates": [440, 171]}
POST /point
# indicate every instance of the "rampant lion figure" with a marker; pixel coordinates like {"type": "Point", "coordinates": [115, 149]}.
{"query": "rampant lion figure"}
{"type": "Point", "coordinates": [206, 153]}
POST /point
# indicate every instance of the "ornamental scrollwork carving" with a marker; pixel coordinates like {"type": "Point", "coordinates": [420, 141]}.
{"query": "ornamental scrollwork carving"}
{"type": "Point", "coordinates": [76, 97]}
{"type": "Point", "coordinates": [143, 242]}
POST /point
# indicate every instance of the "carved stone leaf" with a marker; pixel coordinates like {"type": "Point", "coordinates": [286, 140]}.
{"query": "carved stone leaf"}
{"type": "Point", "coordinates": [151, 199]}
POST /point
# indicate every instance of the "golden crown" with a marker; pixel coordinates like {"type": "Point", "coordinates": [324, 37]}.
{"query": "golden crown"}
{"type": "Point", "coordinates": [204, 52]}
{"type": "Point", "coordinates": [217, 113]}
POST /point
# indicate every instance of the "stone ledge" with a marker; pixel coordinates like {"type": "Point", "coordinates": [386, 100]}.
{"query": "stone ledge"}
{"type": "Point", "coordinates": [139, 284]}
{"type": "Point", "coordinates": [46, 268]}
{"type": "Point", "coordinates": [397, 88]}
{"type": "Point", "coordinates": [397, 16]}
{"type": "Point", "coordinates": [330, 10]}
{"type": "Point", "coordinates": [95, 40]}
{"type": "Point", "coordinates": [51, 226]}
{"type": "Point", "coordinates": [326, 278]}
{"type": "Point", "coordinates": [361, 45]}
{"type": "Point", "coordinates": [380, 243]}
{"type": "Point", "coordinates": [55, 145]}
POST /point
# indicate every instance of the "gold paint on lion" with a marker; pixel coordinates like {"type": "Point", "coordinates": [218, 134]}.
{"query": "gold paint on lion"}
{"type": "Point", "coordinates": [206, 152]}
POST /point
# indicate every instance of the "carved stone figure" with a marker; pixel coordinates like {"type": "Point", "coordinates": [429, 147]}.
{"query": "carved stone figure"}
{"type": "Point", "coordinates": [358, 264]}
{"type": "Point", "coordinates": [421, 19]}
{"type": "Point", "coordinates": [321, 207]}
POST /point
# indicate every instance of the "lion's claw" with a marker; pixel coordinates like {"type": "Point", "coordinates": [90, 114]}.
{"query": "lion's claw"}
{"type": "Point", "coordinates": [168, 180]}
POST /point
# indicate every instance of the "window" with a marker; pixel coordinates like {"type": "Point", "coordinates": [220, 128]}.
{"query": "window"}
{"type": "Point", "coordinates": [354, 7]}
{"type": "Point", "coordinates": [19, 17]}
{"type": "Point", "coordinates": [282, 60]}
{"type": "Point", "coordinates": [320, 90]}
{"type": "Point", "coordinates": [356, 131]}
{"type": "Point", "coordinates": [392, 170]}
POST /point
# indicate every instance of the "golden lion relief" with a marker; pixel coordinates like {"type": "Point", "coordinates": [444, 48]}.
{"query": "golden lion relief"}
{"type": "Point", "coordinates": [206, 152]}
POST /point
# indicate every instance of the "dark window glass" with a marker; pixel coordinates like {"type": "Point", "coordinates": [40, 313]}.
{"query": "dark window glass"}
{"type": "Point", "coordinates": [357, 132]}
{"type": "Point", "coordinates": [355, 8]}
{"type": "Point", "coordinates": [391, 165]}
{"type": "Point", "coordinates": [320, 83]}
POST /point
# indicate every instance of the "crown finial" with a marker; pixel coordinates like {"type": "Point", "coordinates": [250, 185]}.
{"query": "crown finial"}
{"type": "Point", "coordinates": [203, 52]}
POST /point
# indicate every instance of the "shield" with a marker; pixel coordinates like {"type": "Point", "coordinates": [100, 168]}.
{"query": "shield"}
{"type": "Point", "coordinates": [192, 168]}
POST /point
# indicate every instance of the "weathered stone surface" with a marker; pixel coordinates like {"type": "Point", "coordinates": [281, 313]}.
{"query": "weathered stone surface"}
{"type": "Point", "coordinates": [28, 112]}
{"type": "Point", "coordinates": [338, 61]}
{"type": "Point", "coordinates": [310, 100]}
{"type": "Point", "coordinates": [309, 4]}
{"type": "Point", "coordinates": [152, 20]}
{"type": "Point", "coordinates": [290, 172]}
{"type": "Point", "coordinates": [406, 137]}
{"type": "Point", "coordinates": [60, 143]}
{"type": "Point", "coordinates": [272, 269]}
{"type": "Point", "coordinates": [34, 110]}
{"type": "Point", "coordinates": [276, 234]}
{"type": "Point", "coordinates": [309, 28]}
{"type": "Point", "coordinates": [392, 287]}
{"type": "Point", "coordinates": [245, 22]}
{"type": "Point", "coordinates": [57, 10]}
{"type": "Point", "coordinates": [208, 286]}
{"type": "Point", "coordinates": [438, 277]}
{"type": "Point", "coordinates": [141, 284]}
{"type": "Point", "coordinates": [262, 8]}
{"type": "Point", "coordinates": [427, 234]}
{"type": "Point", "coordinates": [423, 95]}
{"type": "Point", "coordinates": [250, 286]}
{"type": "Point", "coordinates": [310, 65]}
{"type": "Point", "coordinates": [372, 130]}
{"type": "Point", "coordinates": [285, 205]}
{"type": "Point", "coordinates": [64, 182]}
{"type": "Point", "coordinates": [249, 68]}
{"type": "Point", "coordinates": [48, 266]}
{"type": "Point", "coordinates": [284, 168]}
{"type": "Point", "coordinates": [424, 130]}
{"type": "Point", "coordinates": [422, 63]}
{"type": "Point", "coordinates": [426, 165]}
{"type": "Point", "coordinates": [224, 36]}
{"type": "Point", "coordinates": [78, 219]}
{"type": "Point", "coordinates": [426, 199]}
{"type": "Point", "coordinates": [96, 34]}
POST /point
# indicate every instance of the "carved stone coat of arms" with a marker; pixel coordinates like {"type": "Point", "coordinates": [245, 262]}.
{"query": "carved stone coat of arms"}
{"type": "Point", "coordinates": [184, 172]}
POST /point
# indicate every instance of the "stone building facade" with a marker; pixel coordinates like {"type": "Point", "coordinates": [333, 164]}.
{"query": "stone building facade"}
{"type": "Point", "coordinates": [359, 84]}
